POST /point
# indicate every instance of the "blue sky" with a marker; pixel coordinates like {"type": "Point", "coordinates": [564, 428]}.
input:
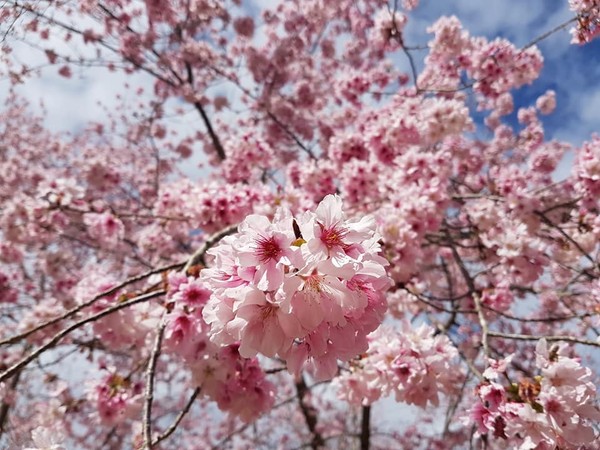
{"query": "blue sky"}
{"type": "Point", "coordinates": [573, 71]}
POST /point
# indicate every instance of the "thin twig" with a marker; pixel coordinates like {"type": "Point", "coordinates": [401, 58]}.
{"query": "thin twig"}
{"type": "Point", "coordinates": [76, 309]}
{"type": "Point", "coordinates": [484, 325]}
{"type": "Point", "coordinates": [549, 33]}
{"type": "Point", "coordinates": [454, 405]}
{"type": "Point", "coordinates": [149, 396]}
{"type": "Point", "coordinates": [527, 337]}
{"type": "Point", "coordinates": [566, 236]}
{"type": "Point", "coordinates": [295, 138]}
{"type": "Point", "coordinates": [471, 285]}
{"type": "Point", "coordinates": [198, 256]}
{"type": "Point", "coordinates": [62, 334]}
{"type": "Point", "coordinates": [169, 431]}
{"type": "Point", "coordinates": [540, 319]}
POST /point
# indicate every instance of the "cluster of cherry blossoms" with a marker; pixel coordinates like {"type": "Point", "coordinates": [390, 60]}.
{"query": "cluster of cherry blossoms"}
{"type": "Point", "coordinates": [236, 383]}
{"type": "Point", "coordinates": [414, 365]}
{"type": "Point", "coordinates": [586, 172]}
{"type": "Point", "coordinates": [588, 23]}
{"type": "Point", "coordinates": [307, 289]}
{"type": "Point", "coordinates": [555, 409]}
{"type": "Point", "coordinates": [116, 399]}
{"type": "Point", "coordinates": [209, 206]}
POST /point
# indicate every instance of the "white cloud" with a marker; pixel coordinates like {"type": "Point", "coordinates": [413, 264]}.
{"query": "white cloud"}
{"type": "Point", "coordinates": [590, 106]}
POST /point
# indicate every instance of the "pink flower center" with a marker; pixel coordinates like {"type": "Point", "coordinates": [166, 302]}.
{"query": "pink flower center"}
{"type": "Point", "coordinates": [553, 406]}
{"type": "Point", "coordinates": [195, 295]}
{"type": "Point", "coordinates": [110, 223]}
{"type": "Point", "coordinates": [403, 370]}
{"type": "Point", "coordinates": [332, 237]}
{"type": "Point", "coordinates": [268, 249]}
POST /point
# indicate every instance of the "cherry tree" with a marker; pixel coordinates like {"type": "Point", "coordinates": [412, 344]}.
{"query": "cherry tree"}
{"type": "Point", "coordinates": [293, 228]}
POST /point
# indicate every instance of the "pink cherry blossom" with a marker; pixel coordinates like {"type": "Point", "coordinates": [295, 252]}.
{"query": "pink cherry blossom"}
{"type": "Point", "coordinates": [277, 219]}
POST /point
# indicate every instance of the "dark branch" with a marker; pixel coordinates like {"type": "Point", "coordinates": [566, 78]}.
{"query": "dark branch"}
{"type": "Point", "coordinates": [209, 128]}
{"type": "Point", "coordinates": [310, 415]}
{"type": "Point", "coordinates": [365, 432]}
{"type": "Point", "coordinates": [5, 408]}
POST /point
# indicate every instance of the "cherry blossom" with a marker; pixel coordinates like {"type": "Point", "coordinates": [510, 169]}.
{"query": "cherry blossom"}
{"type": "Point", "coordinates": [288, 217]}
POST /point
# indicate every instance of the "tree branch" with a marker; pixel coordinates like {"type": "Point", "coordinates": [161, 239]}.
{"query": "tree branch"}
{"type": "Point", "coordinates": [527, 337]}
{"type": "Point", "coordinates": [566, 236]}
{"type": "Point", "coordinates": [309, 414]}
{"type": "Point", "coordinates": [211, 132]}
{"type": "Point", "coordinates": [76, 309]}
{"type": "Point", "coordinates": [5, 408]}
{"type": "Point", "coordinates": [484, 326]}
{"type": "Point", "coordinates": [149, 395]}
{"type": "Point", "coordinates": [169, 431]}
{"type": "Point", "coordinates": [287, 131]}
{"type": "Point", "coordinates": [198, 256]}
{"type": "Point", "coordinates": [62, 334]}
{"type": "Point", "coordinates": [365, 433]}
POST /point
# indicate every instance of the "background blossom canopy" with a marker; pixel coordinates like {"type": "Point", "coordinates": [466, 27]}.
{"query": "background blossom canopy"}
{"type": "Point", "coordinates": [248, 224]}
